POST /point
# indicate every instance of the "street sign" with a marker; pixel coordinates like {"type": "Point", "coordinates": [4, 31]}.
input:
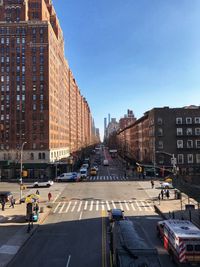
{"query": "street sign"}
{"type": "Point", "coordinates": [22, 187]}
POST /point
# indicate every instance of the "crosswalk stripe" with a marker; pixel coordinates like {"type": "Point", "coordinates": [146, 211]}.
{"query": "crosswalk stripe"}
{"type": "Point", "coordinates": [69, 204]}
{"type": "Point", "coordinates": [97, 205]}
{"type": "Point", "coordinates": [127, 207]}
{"type": "Point", "coordinates": [132, 206]}
{"type": "Point", "coordinates": [121, 207]}
{"type": "Point", "coordinates": [74, 206]}
{"type": "Point", "coordinates": [56, 208]}
{"type": "Point", "coordinates": [113, 204]}
{"type": "Point", "coordinates": [138, 205]}
{"type": "Point", "coordinates": [62, 207]}
{"type": "Point", "coordinates": [102, 205]}
{"type": "Point", "coordinates": [86, 203]}
{"type": "Point", "coordinates": [91, 204]}
{"type": "Point", "coordinates": [79, 207]}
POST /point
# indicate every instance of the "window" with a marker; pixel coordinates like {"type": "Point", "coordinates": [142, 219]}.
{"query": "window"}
{"type": "Point", "coordinates": [34, 97]}
{"type": "Point", "coordinates": [197, 120]}
{"type": "Point", "coordinates": [179, 120]}
{"type": "Point", "coordinates": [39, 155]}
{"type": "Point", "coordinates": [197, 143]}
{"type": "Point", "coordinates": [189, 143]}
{"type": "Point", "coordinates": [189, 131]}
{"type": "Point", "coordinates": [190, 158]}
{"type": "Point", "coordinates": [160, 132]}
{"type": "Point", "coordinates": [179, 131]}
{"type": "Point", "coordinates": [197, 131]}
{"type": "Point", "coordinates": [188, 120]}
{"type": "Point", "coordinates": [197, 158]}
{"type": "Point", "coordinates": [180, 158]}
{"type": "Point", "coordinates": [160, 121]}
{"type": "Point", "coordinates": [34, 106]}
{"type": "Point", "coordinates": [32, 156]}
{"type": "Point", "coordinates": [160, 144]}
{"type": "Point", "coordinates": [179, 143]}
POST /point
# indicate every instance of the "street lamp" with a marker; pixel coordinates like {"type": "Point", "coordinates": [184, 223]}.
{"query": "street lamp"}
{"type": "Point", "coordinates": [173, 159]}
{"type": "Point", "coordinates": [21, 169]}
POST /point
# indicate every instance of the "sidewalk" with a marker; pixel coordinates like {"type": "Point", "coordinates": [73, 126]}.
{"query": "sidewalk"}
{"type": "Point", "coordinates": [13, 229]}
{"type": "Point", "coordinates": [175, 208]}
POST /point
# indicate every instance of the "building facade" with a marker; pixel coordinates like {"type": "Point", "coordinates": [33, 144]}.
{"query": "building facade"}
{"type": "Point", "coordinates": [162, 134]}
{"type": "Point", "coordinates": [41, 104]}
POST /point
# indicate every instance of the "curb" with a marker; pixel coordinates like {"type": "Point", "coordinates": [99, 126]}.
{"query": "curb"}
{"type": "Point", "coordinates": [158, 211]}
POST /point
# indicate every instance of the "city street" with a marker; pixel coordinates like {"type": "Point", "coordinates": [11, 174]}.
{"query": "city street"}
{"type": "Point", "coordinates": [75, 234]}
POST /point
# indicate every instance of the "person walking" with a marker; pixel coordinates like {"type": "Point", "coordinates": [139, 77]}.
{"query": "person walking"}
{"type": "Point", "coordinates": [12, 202]}
{"type": "Point", "coordinates": [167, 194]}
{"type": "Point", "coordinates": [37, 192]}
{"type": "Point", "coordinates": [152, 184]}
{"type": "Point", "coordinates": [162, 194]}
{"type": "Point", "coordinates": [49, 196]}
{"type": "Point", "coordinates": [3, 203]}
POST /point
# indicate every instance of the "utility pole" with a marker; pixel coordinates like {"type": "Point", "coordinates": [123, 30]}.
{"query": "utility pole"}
{"type": "Point", "coordinates": [21, 169]}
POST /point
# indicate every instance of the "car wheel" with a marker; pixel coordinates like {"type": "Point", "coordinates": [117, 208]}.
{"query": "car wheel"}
{"type": "Point", "coordinates": [36, 185]}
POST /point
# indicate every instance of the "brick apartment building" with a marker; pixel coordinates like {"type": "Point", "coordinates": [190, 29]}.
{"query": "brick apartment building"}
{"type": "Point", "coordinates": [162, 132]}
{"type": "Point", "coordinates": [41, 103]}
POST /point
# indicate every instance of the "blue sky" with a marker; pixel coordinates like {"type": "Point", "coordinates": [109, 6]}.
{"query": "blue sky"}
{"type": "Point", "coordinates": [132, 54]}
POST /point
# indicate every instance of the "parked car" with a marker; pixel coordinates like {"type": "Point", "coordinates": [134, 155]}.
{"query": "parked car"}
{"type": "Point", "coordinates": [105, 162]}
{"type": "Point", "coordinates": [6, 195]}
{"type": "Point", "coordinates": [93, 171]}
{"type": "Point", "coordinates": [43, 184]}
{"type": "Point", "coordinates": [68, 177]}
{"type": "Point", "coordinates": [115, 215]}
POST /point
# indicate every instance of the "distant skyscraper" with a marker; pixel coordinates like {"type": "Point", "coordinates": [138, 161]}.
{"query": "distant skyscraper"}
{"type": "Point", "coordinates": [108, 118]}
{"type": "Point", "coordinates": [105, 126]}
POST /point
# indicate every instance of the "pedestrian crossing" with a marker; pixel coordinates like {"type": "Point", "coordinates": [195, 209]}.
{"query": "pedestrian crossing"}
{"type": "Point", "coordinates": [99, 205]}
{"type": "Point", "coordinates": [107, 178]}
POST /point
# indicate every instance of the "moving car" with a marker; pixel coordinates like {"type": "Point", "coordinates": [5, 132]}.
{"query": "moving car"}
{"type": "Point", "coordinates": [83, 173]}
{"type": "Point", "coordinates": [93, 171]}
{"type": "Point", "coordinates": [43, 184]}
{"type": "Point", "coordinates": [115, 215]}
{"type": "Point", "coordinates": [166, 185]}
{"type": "Point", "coordinates": [105, 162]}
{"type": "Point", "coordinates": [68, 177]}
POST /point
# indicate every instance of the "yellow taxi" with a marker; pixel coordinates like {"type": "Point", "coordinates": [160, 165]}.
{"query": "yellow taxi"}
{"type": "Point", "coordinates": [93, 171]}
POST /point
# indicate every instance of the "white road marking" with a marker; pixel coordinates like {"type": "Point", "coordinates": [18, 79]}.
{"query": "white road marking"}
{"type": "Point", "coordinates": [80, 217]}
{"type": "Point", "coordinates": [68, 261]}
{"type": "Point", "coordinates": [86, 203]}
{"type": "Point", "coordinates": [91, 204]}
{"type": "Point", "coordinates": [138, 205]}
{"type": "Point", "coordinates": [97, 205]}
{"type": "Point", "coordinates": [113, 204]}
{"type": "Point", "coordinates": [68, 206]}
{"type": "Point", "coordinates": [9, 249]}
{"type": "Point", "coordinates": [144, 206]}
{"type": "Point", "coordinates": [79, 207]}
{"type": "Point", "coordinates": [132, 206]}
{"type": "Point", "coordinates": [56, 197]}
{"type": "Point", "coordinates": [74, 206]}
{"type": "Point", "coordinates": [56, 208]}
{"type": "Point", "coordinates": [108, 206]}
{"type": "Point", "coordinates": [120, 204]}
{"type": "Point", "coordinates": [102, 205]}
{"type": "Point", "coordinates": [62, 208]}
{"type": "Point", "coordinates": [127, 207]}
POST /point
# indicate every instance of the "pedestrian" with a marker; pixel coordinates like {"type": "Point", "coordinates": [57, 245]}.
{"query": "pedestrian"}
{"type": "Point", "coordinates": [159, 199]}
{"type": "Point", "coordinates": [12, 202]}
{"type": "Point", "coordinates": [49, 196]}
{"type": "Point", "coordinates": [152, 184]}
{"type": "Point", "coordinates": [162, 194]}
{"type": "Point", "coordinates": [37, 192]}
{"type": "Point", "coordinates": [3, 203]}
{"type": "Point", "coordinates": [167, 194]}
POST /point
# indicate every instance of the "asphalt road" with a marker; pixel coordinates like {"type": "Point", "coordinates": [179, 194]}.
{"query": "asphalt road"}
{"type": "Point", "coordinates": [75, 234]}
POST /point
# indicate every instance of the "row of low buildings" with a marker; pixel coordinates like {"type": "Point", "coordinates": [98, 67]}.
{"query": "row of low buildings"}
{"type": "Point", "coordinates": [42, 110]}
{"type": "Point", "coordinates": [163, 137]}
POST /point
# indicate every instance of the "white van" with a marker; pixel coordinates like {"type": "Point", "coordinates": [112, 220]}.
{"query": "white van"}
{"type": "Point", "coordinates": [105, 162]}
{"type": "Point", "coordinates": [67, 177]}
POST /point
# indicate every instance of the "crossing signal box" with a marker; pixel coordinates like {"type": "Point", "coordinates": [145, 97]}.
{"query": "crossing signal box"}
{"type": "Point", "coordinates": [139, 169]}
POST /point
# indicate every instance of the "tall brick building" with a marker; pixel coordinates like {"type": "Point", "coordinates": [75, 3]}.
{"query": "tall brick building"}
{"type": "Point", "coordinates": [163, 132]}
{"type": "Point", "coordinates": [41, 103]}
